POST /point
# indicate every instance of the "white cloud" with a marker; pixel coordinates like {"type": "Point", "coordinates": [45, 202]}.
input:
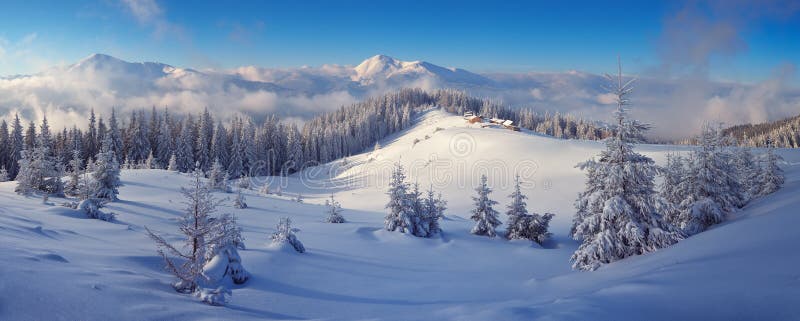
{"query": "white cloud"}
{"type": "Point", "coordinates": [145, 11]}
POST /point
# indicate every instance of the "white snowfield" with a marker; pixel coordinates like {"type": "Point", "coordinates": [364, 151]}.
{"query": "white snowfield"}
{"type": "Point", "coordinates": [57, 265]}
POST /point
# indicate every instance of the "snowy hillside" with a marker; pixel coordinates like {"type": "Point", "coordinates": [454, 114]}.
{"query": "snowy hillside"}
{"type": "Point", "coordinates": [58, 265]}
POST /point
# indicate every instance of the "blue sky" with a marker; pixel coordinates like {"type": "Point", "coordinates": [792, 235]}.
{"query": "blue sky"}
{"type": "Point", "coordinates": [730, 40]}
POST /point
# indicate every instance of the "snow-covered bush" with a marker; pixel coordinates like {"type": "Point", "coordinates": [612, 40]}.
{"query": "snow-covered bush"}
{"type": "Point", "coordinates": [264, 189]}
{"type": "Point", "coordinates": [219, 296]}
{"type": "Point", "coordinates": [284, 234]}
{"type": "Point", "coordinates": [244, 182]}
{"type": "Point", "coordinates": [334, 211]}
{"type": "Point", "coordinates": [483, 214]}
{"type": "Point", "coordinates": [239, 202]}
{"type": "Point", "coordinates": [92, 206]}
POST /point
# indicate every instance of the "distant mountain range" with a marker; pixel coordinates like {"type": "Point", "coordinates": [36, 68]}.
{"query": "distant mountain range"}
{"type": "Point", "coordinates": [101, 82]}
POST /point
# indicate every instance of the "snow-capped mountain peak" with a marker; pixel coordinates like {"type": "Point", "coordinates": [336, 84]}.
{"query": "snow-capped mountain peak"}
{"type": "Point", "coordinates": [99, 61]}
{"type": "Point", "coordinates": [382, 68]}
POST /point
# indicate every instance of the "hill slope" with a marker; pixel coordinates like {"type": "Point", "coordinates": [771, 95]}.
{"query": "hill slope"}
{"type": "Point", "coordinates": [58, 265]}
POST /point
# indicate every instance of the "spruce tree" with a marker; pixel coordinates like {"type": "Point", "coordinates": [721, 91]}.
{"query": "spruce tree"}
{"type": "Point", "coordinates": [484, 215]}
{"type": "Point", "coordinates": [400, 212]}
{"type": "Point", "coordinates": [771, 176]}
{"type": "Point", "coordinates": [618, 212]}
{"type": "Point", "coordinates": [105, 177]}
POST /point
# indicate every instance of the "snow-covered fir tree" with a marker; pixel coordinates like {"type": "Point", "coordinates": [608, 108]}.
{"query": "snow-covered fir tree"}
{"type": "Point", "coordinates": [334, 211]}
{"type": "Point", "coordinates": [285, 234]}
{"type": "Point", "coordinates": [3, 175]}
{"type": "Point", "coordinates": [217, 177]}
{"type": "Point", "coordinates": [521, 224]}
{"type": "Point", "coordinates": [707, 193]}
{"type": "Point", "coordinates": [770, 177]}
{"type": "Point", "coordinates": [400, 212]}
{"type": "Point", "coordinates": [432, 211]}
{"type": "Point", "coordinates": [38, 169]}
{"type": "Point", "coordinates": [150, 162]}
{"type": "Point", "coordinates": [173, 163]}
{"type": "Point", "coordinates": [674, 174]}
{"type": "Point", "coordinates": [746, 169]}
{"type": "Point", "coordinates": [617, 214]}
{"type": "Point", "coordinates": [516, 209]}
{"type": "Point", "coordinates": [105, 177]}
{"type": "Point", "coordinates": [74, 181]}
{"type": "Point", "coordinates": [184, 149]}
{"type": "Point", "coordinates": [483, 214]}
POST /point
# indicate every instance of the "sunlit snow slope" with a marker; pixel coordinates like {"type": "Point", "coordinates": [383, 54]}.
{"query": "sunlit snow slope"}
{"type": "Point", "coordinates": [57, 265]}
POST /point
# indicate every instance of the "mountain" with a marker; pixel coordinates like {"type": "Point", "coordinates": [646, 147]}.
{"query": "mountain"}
{"type": "Point", "coordinates": [381, 68]}
{"type": "Point", "coordinates": [101, 82]}
{"type": "Point", "coordinates": [56, 262]}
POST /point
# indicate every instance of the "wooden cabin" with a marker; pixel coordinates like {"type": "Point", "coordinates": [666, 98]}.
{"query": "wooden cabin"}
{"type": "Point", "coordinates": [474, 119]}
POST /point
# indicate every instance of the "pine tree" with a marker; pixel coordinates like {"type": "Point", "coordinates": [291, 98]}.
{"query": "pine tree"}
{"type": "Point", "coordinates": [618, 212]}
{"type": "Point", "coordinates": [771, 176]}
{"type": "Point", "coordinates": [3, 174]}
{"type": "Point", "coordinates": [106, 172]}
{"type": "Point", "coordinates": [400, 211]}
{"type": "Point", "coordinates": [333, 209]}
{"type": "Point", "coordinates": [484, 215]}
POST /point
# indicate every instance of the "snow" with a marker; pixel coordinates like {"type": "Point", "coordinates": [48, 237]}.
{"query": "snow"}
{"type": "Point", "coordinates": [59, 265]}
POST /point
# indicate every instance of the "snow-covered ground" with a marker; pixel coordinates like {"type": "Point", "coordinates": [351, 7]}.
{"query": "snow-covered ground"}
{"type": "Point", "coordinates": [57, 265]}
